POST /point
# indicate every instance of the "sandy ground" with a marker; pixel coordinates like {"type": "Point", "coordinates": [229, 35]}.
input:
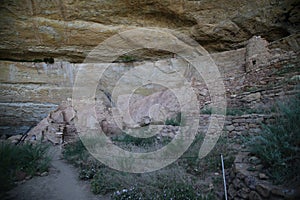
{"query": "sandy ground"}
{"type": "Point", "coordinates": [62, 183]}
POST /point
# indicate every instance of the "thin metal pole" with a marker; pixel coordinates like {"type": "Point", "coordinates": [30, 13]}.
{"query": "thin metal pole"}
{"type": "Point", "coordinates": [223, 171]}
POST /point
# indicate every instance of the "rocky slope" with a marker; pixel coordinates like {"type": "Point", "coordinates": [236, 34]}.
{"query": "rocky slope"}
{"type": "Point", "coordinates": [69, 29]}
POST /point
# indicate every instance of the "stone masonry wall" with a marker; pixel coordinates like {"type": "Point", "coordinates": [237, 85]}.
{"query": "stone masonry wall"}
{"type": "Point", "coordinates": [245, 181]}
{"type": "Point", "coordinates": [239, 125]}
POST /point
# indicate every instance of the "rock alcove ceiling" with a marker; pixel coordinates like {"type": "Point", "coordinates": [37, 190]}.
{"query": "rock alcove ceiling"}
{"type": "Point", "coordinates": [255, 45]}
{"type": "Point", "coordinates": [68, 30]}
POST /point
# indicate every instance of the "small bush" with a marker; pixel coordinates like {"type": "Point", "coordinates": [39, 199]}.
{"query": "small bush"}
{"type": "Point", "coordinates": [177, 121]}
{"type": "Point", "coordinates": [178, 190]}
{"type": "Point", "coordinates": [279, 144]}
{"type": "Point", "coordinates": [127, 58]}
{"type": "Point", "coordinates": [27, 159]}
{"type": "Point", "coordinates": [106, 181]}
{"type": "Point", "coordinates": [128, 139]}
{"type": "Point", "coordinates": [75, 152]}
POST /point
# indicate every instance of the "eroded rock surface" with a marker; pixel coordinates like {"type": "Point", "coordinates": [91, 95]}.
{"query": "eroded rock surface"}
{"type": "Point", "coordinates": [68, 30]}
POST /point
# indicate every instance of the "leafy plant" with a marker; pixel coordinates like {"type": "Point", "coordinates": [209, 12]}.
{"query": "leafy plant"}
{"type": "Point", "coordinates": [279, 144]}
{"type": "Point", "coordinates": [180, 190]}
{"type": "Point", "coordinates": [127, 58]}
{"type": "Point", "coordinates": [75, 152]}
{"type": "Point", "coordinates": [128, 139]}
{"type": "Point", "coordinates": [107, 180]}
{"type": "Point", "coordinates": [177, 121]}
{"type": "Point", "coordinates": [27, 159]}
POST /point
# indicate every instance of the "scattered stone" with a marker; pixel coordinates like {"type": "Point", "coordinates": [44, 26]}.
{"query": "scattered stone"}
{"type": "Point", "coordinates": [44, 174]}
{"type": "Point", "coordinates": [240, 128]}
{"type": "Point", "coordinates": [254, 160]}
{"type": "Point", "coordinates": [259, 167]}
{"type": "Point", "coordinates": [251, 169]}
{"type": "Point", "coordinates": [57, 117]}
{"type": "Point", "coordinates": [239, 120]}
{"type": "Point", "coordinates": [236, 183]}
{"type": "Point", "coordinates": [231, 191]}
{"type": "Point", "coordinates": [254, 196]}
{"type": "Point", "coordinates": [203, 92]}
{"type": "Point", "coordinates": [145, 121]}
{"type": "Point", "coordinates": [240, 176]}
{"type": "Point", "coordinates": [242, 194]}
{"type": "Point", "coordinates": [252, 125]}
{"type": "Point", "coordinates": [15, 138]}
{"type": "Point", "coordinates": [251, 182]}
{"type": "Point", "coordinates": [262, 176]}
{"type": "Point", "coordinates": [245, 189]}
{"type": "Point", "coordinates": [263, 190]}
{"type": "Point", "coordinates": [20, 175]}
{"type": "Point", "coordinates": [252, 97]}
{"type": "Point", "coordinates": [255, 130]}
{"type": "Point", "coordinates": [278, 191]}
{"type": "Point", "coordinates": [230, 128]}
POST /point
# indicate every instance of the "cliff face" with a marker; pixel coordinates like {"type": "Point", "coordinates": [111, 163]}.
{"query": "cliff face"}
{"type": "Point", "coordinates": [69, 29]}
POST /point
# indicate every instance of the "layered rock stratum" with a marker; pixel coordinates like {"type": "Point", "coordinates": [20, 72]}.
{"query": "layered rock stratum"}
{"type": "Point", "coordinates": [43, 44]}
{"type": "Point", "coordinates": [70, 29]}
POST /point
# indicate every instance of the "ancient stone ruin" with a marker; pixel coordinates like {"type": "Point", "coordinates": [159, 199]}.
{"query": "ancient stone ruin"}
{"type": "Point", "coordinates": [255, 47]}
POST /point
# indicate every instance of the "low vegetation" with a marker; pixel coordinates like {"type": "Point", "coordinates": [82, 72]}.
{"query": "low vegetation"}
{"type": "Point", "coordinates": [127, 58]}
{"type": "Point", "coordinates": [278, 146]}
{"type": "Point", "coordinates": [181, 180]}
{"type": "Point", "coordinates": [176, 121]}
{"type": "Point", "coordinates": [19, 161]}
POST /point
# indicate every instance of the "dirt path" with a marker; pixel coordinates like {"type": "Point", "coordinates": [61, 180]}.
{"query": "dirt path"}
{"type": "Point", "coordinates": [62, 183]}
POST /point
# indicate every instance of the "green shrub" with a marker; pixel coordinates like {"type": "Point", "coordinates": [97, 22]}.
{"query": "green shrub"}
{"type": "Point", "coordinates": [127, 58]}
{"type": "Point", "coordinates": [106, 181]}
{"type": "Point", "coordinates": [177, 121]}
{"type": "Point", "coordinates": [278, 146]}
{"type": "Point", "coordinates": [178, 190]}
{"type": "Point", "coordinates": [26, 158]}
{"type": "Point", "coordinates": [125, 141]}
{"type": "Point", "coordinates": [75, 152]}
{"type": "Point", "coordinates": [128, 139]}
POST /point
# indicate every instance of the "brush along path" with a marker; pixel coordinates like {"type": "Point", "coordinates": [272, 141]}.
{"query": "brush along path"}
{"type": "Point", "coordinates": [62, 183]}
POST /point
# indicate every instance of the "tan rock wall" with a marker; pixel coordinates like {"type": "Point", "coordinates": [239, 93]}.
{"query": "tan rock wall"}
{"type": "Point", "coordinates": [42, 83]}
{"type": "Point", "coordinates": [68, 30]}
